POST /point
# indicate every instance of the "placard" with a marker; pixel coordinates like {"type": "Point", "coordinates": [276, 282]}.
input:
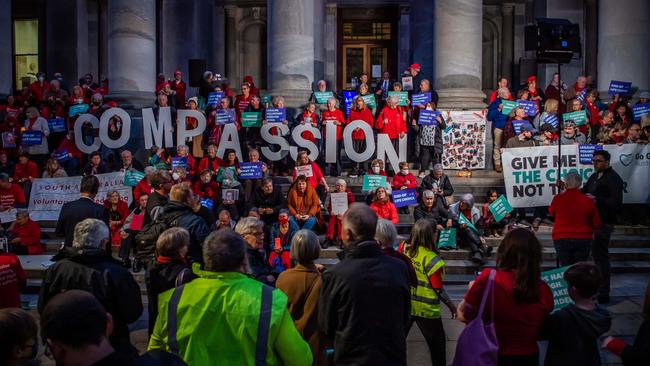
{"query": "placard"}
{"type": "Point", "coordinates": [500, 208]}
{"type": "Point", "coordinates": [61, 155]}
{"type": "Point", "coordinates": [407, 82]}
{"type": "Point", "coordinates": [132, 177]}
{"type": "Point", "coordinates": [581, 96]}
{"type": "Point", "coordinates": [579, 117]}
{"type": "Point", "coordinates": [619, 87]}
{"type": "Point", "coordinates": [552, 120]}
{"type": "Point", "coordinates": [529, 106]}
{"type": "Point", "coordinates": [178, 162]}
{"type": "Point", "coordinates": [214, 98]}
{"type": "Point", "coordinates": [248, 170]}
{"type": "Point", "coordinates": [508, 106]}
{"type": "Point", "coordinates": [402, 97]}
{"type": "Point", "coordinates": [447, 238]}
{"type": "Point", "coordinates": [371, 182]}
{"type": "Point", "coordinates": [370, 100]}
{"type": "Point", "coordinates": [8, 215]}
{"type": "Point", "coordinates": [322, 97]}
{"type": "Point", "coordinates": [230, 194]}
{"type": "Point", "coordinates": [376, 71]}
{"type": "Point", "coordinates": [339, 202]}
{"type": "Point", "coordinates": [586, 152]}
{"type": "Point", "coordinates": [8, 140]}
{"type": "Point", "coordinates": [555, 281]}
{"type": "Point", "coordinates": [517, 125]}
{"type": "Point", "coordinates": [463, 220]}
{"type": "Point", "coordinates": [251, 119]}
{"type": "Point", "coordinates": [225, 116]}
{"type": "Point", "coordinates": [305, 170]}
{"type": "Point", "coordinates": [428, 118]}
{"type": "Point", "coordinates": [30, 138]}
{"type": "Point", "coordinates": [56, 124]}
{"type": "Point", "coordinates": [207, 203]}
{"type": "Point", "coordinates": [276, 115]}
{"type": "Point", "coordinates": [405, 197]}
{"type": "Point", "coordinates": [348, 99]}
{"type": "Point", "coordinates": [266, 99]}
{"type": "Point", "coordinates": [420, 99]}
{"type": "Point", "coordinates": [640, 110]}
{"type": "Point", "coordinates": [77, 109]}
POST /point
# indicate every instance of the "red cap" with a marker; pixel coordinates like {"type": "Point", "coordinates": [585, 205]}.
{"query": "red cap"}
{"type": "Point", "coordinates": [531, 79]}
{"type": "Point", "coordinates": [178, 72]}
{"type": "Point", "coordinates": [415, 66]}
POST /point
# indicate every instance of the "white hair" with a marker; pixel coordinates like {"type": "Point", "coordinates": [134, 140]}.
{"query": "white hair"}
{"type": "Point", "coordinates": [90, 234]}
{"type": "Point", "coordinates": [342, 182]}
{"type": "Point", "coordinates": [573, 180]}
{"type": "Point", "coordinates": [336, 102]}
{"type": "Point", "coordinates": [249, 225]}
{"type": "Point", "coordinates": [182, 147]}
{"type": "Point", "coordinates": [386, 234]}
{"type": "Point", "coordinates": [428, 194]}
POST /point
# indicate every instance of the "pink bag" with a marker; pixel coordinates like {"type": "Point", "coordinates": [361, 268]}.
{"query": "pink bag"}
{"type": "Point", "coordinates": [477, 344]}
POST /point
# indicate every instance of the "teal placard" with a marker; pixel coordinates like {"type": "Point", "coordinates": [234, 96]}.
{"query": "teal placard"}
{"type": "Point", "coordinates": [266, 99]}
{"type": "Point", "coordinates": [251, 119]}
{"type": "Point", "coordinates": [132, 177]}
{"type": "Point", "coordinates": [447, 238]}
{"type": "Point", "coordinates": [555, 280]}
{"type": "Point", "coordinates": [370, 100]}
{"type": "Point", "coordinates": [500, 208]}
{"type": "Point", "coordinates": [322, 97]}
{"type": "Point", "coordinates": [508, 106]}
{"type": "Point", "coordinates": [579, 117]}
{"type": "Point", "coordinates": [370, 182]}
{"type": "Point", "coordinates": [463, 220]}
{"type": "Point", "coordinates": [402, 96]}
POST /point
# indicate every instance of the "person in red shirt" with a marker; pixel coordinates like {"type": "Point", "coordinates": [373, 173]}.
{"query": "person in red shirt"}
{"type": "Point", "coordinates": [118, 211]}
{"type": "Point", "coordinates": [309, 117]}
{"type": "Point", "coordinates": [522, 301]}
{"type": "Point", "coordinates": [242, 100]}
{"type": "Point", "coordinates": [333, 234]}
{"type": "Point", "coordinates": [254, 90]}
{"type": "Point", "coordinates": [316, 180]}
{"type": "Point", "coordinates": [390, 121]}
{"type": "Point", "coordinates": [71, 165]}
{"type": "Point", "coordinates": [143, 188]}
{"type": "Point", "coordinates": [38, 88]}
{"type": "Point", "coordinates": [11, 195]}
{"type": "Point", "coordinates": [26, 170]}
{"type": "Point", "coordinates": [535, 94]}
{"type": "Point", "coordinates": [13, 280]}
{"type": "Point", "coordinates": [333, 115]}
{"type": "Point", "coordinates": [25, 237]}
{"type": "Point", "coordinates": [205, 187]}
{"type": "Point", "coordinates": [502, 83]}
{"type": "Point", "coordinates": [211, 161]}
{"type": "Point", "coordinates": [404, 180]}
{"type": "Point", "coordinates": [179, 87]}
{"type": "Point", "coordinates": [359, 113]}
{"type": "Point", "coordinates": [383, 207]}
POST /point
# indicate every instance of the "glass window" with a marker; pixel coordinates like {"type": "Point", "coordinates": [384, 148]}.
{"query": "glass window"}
{"type": "Point", "coordinates": [364, 31]}
{"type": "Point", "coordinates": [25, 51]}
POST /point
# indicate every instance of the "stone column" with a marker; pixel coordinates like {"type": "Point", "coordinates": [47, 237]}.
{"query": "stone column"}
{"type": "Point", "coordinates": [591, 38]}
{"type": "Point", "coordinates": [404, 42]}
{"type": "Point", "coordinates": [132, 51]}
{"type": "Point", "coordinates": [290, 49]}
{"type": "Point", "coordinates": [6, 54]}
{"type": "Point", "coordinates": [458, 32]}
{"type": "Point", "coordinates": [507, 40]}
{"type": "Point", "coordinates": [330, 45]}
{"type": "Point", "coordinates": [319, 42]}
{"type": "Point", "coordinates": [219, 40]}
{"type": "Point", "coordinates": [623, 41]}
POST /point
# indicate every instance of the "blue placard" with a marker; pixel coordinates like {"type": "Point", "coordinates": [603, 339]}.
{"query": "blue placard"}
{"type": "Point", "coordinates": [62, 155]}
{"type": "Point", "coordinates": [276, 115]}
{"type": "Point", "coordinates": [619, 87]}
{"type": "Point", "coordinates": [348, 99]}
{"type": "Point", "coordinates": [77, 109]}
{"type": "Point", "coordinates": [586, 152]}
{"type": "Point", "coordinates": [30, 138]}
{"type": "Point", "coordinates": [529, 106]}
{"type": "Point", "coordinates": [225, 116]}
{"type": "Point", "coordinates": [428, 118]}
{"type": "Point", "coordinates": [516, 125]}
{"type": "Point", "coordinates": [56, 124]}
{"type": "Point", "coordinates": [208, 203]}
{"type": "Point", "coordinates": [405, 197]}
{"type": "Point", "coordinates": [640, 110]}
{"type": "Point", "coordinates": [214, 98]}
{"type": "Point", "coordinates": [581, 95]}
{"type": "Point", "coordinates": [552, 120]}
{"type": "Point", "coordinates": [178, 162]}
{"type": "Point", "coordinates": [250, 170]}
{"type": "Point", "coordinates": [420, 99]}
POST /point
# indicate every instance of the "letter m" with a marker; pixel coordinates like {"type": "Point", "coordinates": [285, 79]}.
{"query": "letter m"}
{"type": "Point", "coordinates": [154, 130]}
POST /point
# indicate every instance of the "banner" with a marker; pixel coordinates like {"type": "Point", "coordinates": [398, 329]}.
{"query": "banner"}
{"type": "Point", "coordinates": [230, 194]}
{"type": "Point", "coordinates": [407, 82]}
{"type": "Point", "coordinates": [552, 120]}
{"type": "Point", "coordinates": [49, 194]}
{"type": "Point", "coordinates": [207, 203]}
{"type": "Point", "coordinates": [371, 182]}
{"type": "Point", "coordinates": [405, 197]}
{"type": "Point", "coordinates": [402, 97]}
{"type": "Point", "coordinates": [339, 202]}
{"type": "Point", "coordinates": [500, 208]}
{"type": "Point", "coordinates": [348, 99]}
{"type": "Point", "coordinates": [132, 177]}
{"type": "Point", "coordinates": [579, 117]}
{"type": "Point", "coordinates": [248, 170]}
{"type": "Point", "coordinates": [8, 140]}
{"type": "Point", "coordinates": [8, 216]}
{"type": "Point", "coordinates": [428, 118]}
{"type": "Point", "coordinates": [178, 162]}
{"type": "Point", "coordinates": [462, 220]}
{"type": "Point", "coordinates": [62, 155]}
{"type": "Point", "coordinates": [420, 99]}
{"type": "Point", "coordinates": [251, 119]}
{"type": "Point", "coordinates": [56, 124]}
{"type": "Point", "coordinates": [322, 97]}
{"type": "Point", "coordinates": [619, 87]}
{"type": "Point", "coordinates": [276, 115]}
{"type": "Point", "coordinates": [530, 173]}
{"type": "Point", "coordinates": [555, 280]}
{"type": "Point", "coordinates": [464, 140]}
{"type": "Point", "coordinates": [447, 238]}
{"type": "Point", "coordinates": [305, 170]}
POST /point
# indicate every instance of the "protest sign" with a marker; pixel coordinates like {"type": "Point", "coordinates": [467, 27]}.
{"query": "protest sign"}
{"type": "Point", "coordinates": [132, 177]}
{"type": "Point", "coordinates": [266, 99]}
{"type": "Point", "coordinates": [578, 117]}
{"type": "Point", "coordinates": [447, 238]}
{"type": "Point", "coordinates": [529, 106]}
{"type": "Point", "coordinates": [8, 140]}
{"type": "Point", "coordinates": [178, 162]}
{"type": "Point", "coordinates": [428, 118]}
{"type": "Point", "coordinates": [369, 99]}
{"type": "Point", "coordinates": [407, 82]}
{"type": "Point", "coordinates": [530, 173]}
{"type": "Point", "coordinates": [619, 87]}
{"type": "Point", "coordinates": [61, 155]}
{"type": "Point", "coordinates": [230, 194]}
{"type": "Point", "coordinates": [581, 96]}
{"type": "Point", "coordinates": [322, 97]}
{"type": "Point", "coordinates": [305, 170]}
{"type": "Point", "coordinates": [207, 203]}
{"type": "Point", "coordinates": [8, 216]}
{"type": "Point", "coordinates": [464, 139]}
{"type": "Point", "coordinates": [339, 203]}
{"type": "Point", "coordinates": [402, 97]}
{"type": "Point", "coordinates": [508, 106]}
{"type": "Point", "coordinates": [77, 109]}
{"type": "Point", "coordinates": [225, 116]}
{"type": "Point", "coordinates": [251, 119]}
{"type": "Point", "coordinates": [30, 138]}
{"type": "Point", "coordinates": [420, 99]}
{"type": "Point", "coordinates": [348, 99]}
{"type": "Point", "coordinates": [49, 194]}
{"type": "Point", "coordinates": [555, 281]}
{"type": "Point", "coordinates": [248, 170]}
{"type": "Point", "coordinates": [500, 208]}
{"type": "Point", "coordinates": [371, 182]}
{"type": "Point", "coordinates": [640, 110]}
{"type": "Point", "coordinates": [462, 220]}
{"type": "Point", "coordinates": [517, 125]}
{"type": "Point", "coordinates": [214, 98]}
{"type": "Point", "coordinates": [552, 120]}
{"type": "Point", "coordinates": [586, 152]}
{"type": "Point", "coordinates": [276, 115]}
{"type": "Point", "coordinates": [56, 124]}
{"type": "Point", "coordinates": [405, 197]}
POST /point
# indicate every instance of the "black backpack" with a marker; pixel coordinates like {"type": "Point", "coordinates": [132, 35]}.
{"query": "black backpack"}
{"type": "Point", "coordinates": [145, 240]}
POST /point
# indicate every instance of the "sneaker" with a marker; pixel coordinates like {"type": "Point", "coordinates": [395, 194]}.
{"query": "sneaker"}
{"type": "Point", "coordinates": [422, 174]}
{"type": "Point", "coordinates": [498, 169]}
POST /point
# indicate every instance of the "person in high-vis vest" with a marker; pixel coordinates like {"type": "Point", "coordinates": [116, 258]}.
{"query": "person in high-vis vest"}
{"type": "Point", "coordinates": [225, 317]}
{"type": "Point", "coordinates": [426, 297]}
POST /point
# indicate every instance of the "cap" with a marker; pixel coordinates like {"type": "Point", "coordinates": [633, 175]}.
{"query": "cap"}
{"type": "Point", "coordinates": [415, 66]}
{"type": "Point", "coordinates": [4, 177]}
{"type": "Point", "coordinates": [193, 99]}
{"type": "Point", "coordinates": [531, 79]}
{"type": "Point", "coordinates": [178, 72]}
{"type": "Point", "coordinates": [569, 123]}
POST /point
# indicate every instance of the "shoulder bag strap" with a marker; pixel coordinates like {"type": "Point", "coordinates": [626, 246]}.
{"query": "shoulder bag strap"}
{"type": "Point", "coordinates": [264, 326]}
{"type": "Point", "coordinates": [172, 319]}
{"type": "Point", "coordinates": [489, 290]}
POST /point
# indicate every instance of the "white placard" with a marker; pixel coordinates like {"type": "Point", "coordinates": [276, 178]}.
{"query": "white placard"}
{"type": "Point", "coordinates": [376, 71]}
{"type": "Point", "coordinates": [230, 194]}
{"type": "Point", "coordinates": [8, 215]}
{"type": "Point", "coordinates": [305, 170]}
{"type": "Point", "coordinates": [339, 203]}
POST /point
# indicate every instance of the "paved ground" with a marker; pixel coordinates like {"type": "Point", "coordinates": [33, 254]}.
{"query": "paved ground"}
{"type": "Point", "coordinates": [626, 305]}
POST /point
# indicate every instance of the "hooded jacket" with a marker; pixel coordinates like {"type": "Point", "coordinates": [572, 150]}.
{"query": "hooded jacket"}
{"type": "Point", "coordinates": [189, 220]}
{"type": "Point", "coordinates": [573, 336]}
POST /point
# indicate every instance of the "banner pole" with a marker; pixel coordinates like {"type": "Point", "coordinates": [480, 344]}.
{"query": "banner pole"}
{"type": "Point", "coordinates": [560, 127]}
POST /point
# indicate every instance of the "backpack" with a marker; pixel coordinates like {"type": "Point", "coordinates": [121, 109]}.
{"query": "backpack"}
{"type": "Point", "coordinates": [145, 240]}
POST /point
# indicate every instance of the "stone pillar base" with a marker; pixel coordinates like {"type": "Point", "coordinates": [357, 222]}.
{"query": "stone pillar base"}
{"type": "Point", "coordinates": [133, 100]}
{"type": "Point", "coordinates": [293, 98]}
{"type": "Point", "coordinates": [461, 98]}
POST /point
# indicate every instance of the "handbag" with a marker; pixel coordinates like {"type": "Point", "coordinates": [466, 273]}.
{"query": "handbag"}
{"type": "Point", "coordinates": [477, 344]}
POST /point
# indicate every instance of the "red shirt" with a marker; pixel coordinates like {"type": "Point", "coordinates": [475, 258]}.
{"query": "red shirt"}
{"type": "Point", "coordinates": [71, 146]}
{"type": "Point", "coordinates": [12, 196]}
{"type": "Point", "coordinates": [241, 102]}
{"type": "Point", "coordinates": [517, 325]}
{"type": "Point", "coordinates": [315, 178]}
{"type": "Point", "coordinates": [143, 187]}
{"type": "Point", "coordinates": [386, 211]}
{"type": "Point", "coordinates": [306, 134]}
{"type": "Point", "coordinates": [400, 180]}
{"type": "Point", "coordinates": [363, 115]}
{"type": "Point", "coordinates": [37, 90]}
{"type": "Point", "coordinates": [26, 171]}
{"type": "Point", "coordinates": [576, 215]}
{"type": "Point", "coordinates": [180, 87]}
{"type": "Point", "coordinates": [205, 163]}
{"type": "Point", "coordinates": [335, 115]}
{"type": "Point", "coordinates": [12, 276]}
{"type": "Point", "coordinates": [395, 125]}
{"type": "Point", "coordinates": [30, 236]}
{"type": "Point", "coordinates": [206, 190]}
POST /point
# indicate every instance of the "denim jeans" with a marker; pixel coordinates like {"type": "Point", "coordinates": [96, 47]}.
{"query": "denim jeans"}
{"type": "Point", "coordinates": [570, 251]}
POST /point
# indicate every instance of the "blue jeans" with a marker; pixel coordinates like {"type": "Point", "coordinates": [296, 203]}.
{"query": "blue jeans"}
{"type": "Point", "coordinates": [306, 224]}
{"type": "Point", "coordinates": [570, 251]}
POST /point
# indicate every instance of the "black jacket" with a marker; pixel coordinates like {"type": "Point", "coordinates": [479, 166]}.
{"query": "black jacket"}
{"type": "Point", "coordinates": [573, 336]}
{"type": "Point", "coordinates": [104, 277]}
{"type": "Point", "coordinates": [161, 277]}
{"type": "Point", "coordinates": [443, 183]}
{"type": "Point", "coordinates": [273, 200]}
{"type": "Point", "coordinates": [101, 169]}
{"type": "Point", "coordinates": [638, 354]}
{"type": "Point", "coordinates": [76, 211]}
{"type": "Point", "coordinates": [195, 224]}
{"type": "Point", "coordinates": [155, 201]}
{"type": "Point", "coordinates": [608, 190]}
{"type": "Point", "coordinates": [437, 214]}
{"type": "Point", "coordinates": [364, 306]}
{"type": "Point", "coordinates": [259, 267]}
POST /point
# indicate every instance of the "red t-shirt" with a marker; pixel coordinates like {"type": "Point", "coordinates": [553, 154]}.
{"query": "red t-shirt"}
{"type": "Point", "coordinates": [315, 179]}
{"type": "Point", "coordinates": [12, 196]}
{"type": "Point", "coordinates": [517, 325]}
{"type": "Point", "coordinates": [12, 276]}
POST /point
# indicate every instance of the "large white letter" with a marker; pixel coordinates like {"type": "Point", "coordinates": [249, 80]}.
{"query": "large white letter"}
{"type": "Point", "coordinates": [275, 140]}
{"type": "Point", "coordinates": [330, 142]}
{"type": "Point", "coordinates": [181, 133]}
{"type": "Point", "coordinates": [229, 140]}
{"type": "Point", "coordinates": [385, 148]}
{"type": "Point", "coordinates": [359, 157]}
{"type": "Point", "coordinates": [153, 130]}
{"type": "Point", "coordinates": [296, 134]}
{"type": "Point", "coordinates": [78, 137]}
{"type": "Point", "coordinates": [126, 128]}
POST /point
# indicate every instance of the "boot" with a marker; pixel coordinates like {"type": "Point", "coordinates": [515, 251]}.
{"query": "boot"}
{"type": "Point", "coordinates": [478, 258]}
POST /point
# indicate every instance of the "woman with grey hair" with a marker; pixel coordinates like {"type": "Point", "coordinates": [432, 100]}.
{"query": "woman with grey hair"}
{"type": "Point", "coordinates": [302, 286]}
{"type": "Point", "coordinates": [386, 237]}
{"type": "Point", "coordinates": [391, 121]}
{"type": "Point", "coordinates": [333, 115]}
{"type": "Point", "coordinates": [252, 230]}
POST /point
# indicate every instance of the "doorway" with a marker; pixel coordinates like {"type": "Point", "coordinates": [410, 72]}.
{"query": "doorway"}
{"type": "Point", "coordinates": [369, 58]}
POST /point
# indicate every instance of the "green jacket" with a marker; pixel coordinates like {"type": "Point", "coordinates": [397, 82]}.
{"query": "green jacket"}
{"type": "Point", "coordinates": [218, 316]}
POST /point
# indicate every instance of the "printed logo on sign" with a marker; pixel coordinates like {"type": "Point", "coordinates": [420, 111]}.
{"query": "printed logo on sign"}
{"type": "Point", "coordinates": [626, 159]}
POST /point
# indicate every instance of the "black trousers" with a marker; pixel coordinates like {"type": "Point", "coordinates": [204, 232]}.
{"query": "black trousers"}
{"type": "Point", "coordinates": [523, 360]}
{"type": "Point", "coordinates": [428, 155]}
{"type": "Point", "coordinates": [600, 252]}
{"type": "Point", "coordinates": [434, 334]}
